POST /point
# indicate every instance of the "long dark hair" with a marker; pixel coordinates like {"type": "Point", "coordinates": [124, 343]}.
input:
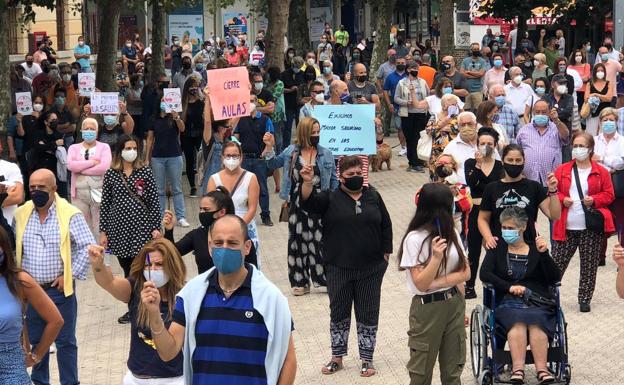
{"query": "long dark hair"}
{"type": "Point", "coordinates": [435, 203]}
{"type": "Point", "coordinates": [222, 199]}
{"type": "Point", "coordinates": [8, 268]}
{"type": "Point", "coordinates": [188, 84]}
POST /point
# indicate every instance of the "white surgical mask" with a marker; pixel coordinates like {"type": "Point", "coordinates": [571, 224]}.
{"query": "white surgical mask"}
{"type": "Point", "coordinates": [600, 75]}
{"type": "Point", "coordinates": [252, 107]}
{"type": "Point", "coordinates": [159, 277]}
{"type": "Point", "coordinates": [578, 59]}
{"type": "Point", "coordinates": [231, 164]}
{"type": "Point", "coordinates": [561, 89]}
{"type": "Point", "coordinates": [129, 155]}
{"type": "Point", "coordinates": [320, 98]}
{"type": "Point", "coordinates": [38, 107]}
{"type": "Point", "coordinates": [580, 153]}
{"type": "Point", "coordinates": [66, 78]}
{"type": "Point", "coordinates": [310, 62]}
{"type": "Point", "coordinates": [517, 80]}
{"type": "Point", "coordinates": [536, 62]}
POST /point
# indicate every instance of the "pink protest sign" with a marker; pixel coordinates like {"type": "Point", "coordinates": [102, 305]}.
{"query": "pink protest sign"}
{"type": "Point", "coordinates": [229, 92]}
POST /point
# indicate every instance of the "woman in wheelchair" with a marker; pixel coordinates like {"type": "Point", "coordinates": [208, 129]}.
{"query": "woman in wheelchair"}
{"type": "Point", "coordinates": [436, 267]}
{"type": "Point", "coordinates": [522, 275]}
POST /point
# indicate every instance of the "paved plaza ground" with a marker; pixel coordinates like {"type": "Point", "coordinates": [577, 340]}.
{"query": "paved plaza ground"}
{"type": "Point", "coordinates": [596, 339]}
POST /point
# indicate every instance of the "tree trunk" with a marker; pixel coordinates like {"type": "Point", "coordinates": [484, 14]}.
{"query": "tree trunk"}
{"type": "Point", "coordinates": [278, 21]}
{"type": "Point", "coordinates": [5, 83]}
{"type": "Point", "coordinates": [384, 16]}
{"type": "Point", "coordinates": [157, 63]}
{"type": "Point", "coordinates": [298, 33]}
{"type": "Point", "coordinates": [447, 28]}
{"type": "Point", "coordinates": [108, 12]}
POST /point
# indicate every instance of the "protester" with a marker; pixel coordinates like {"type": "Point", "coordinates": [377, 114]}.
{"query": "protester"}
{"type": "Point", "coordinates": [276, 88]}
{"type": "Point", "coordinates": [435, 273]}
{"type": "Point", "coordinates": [115, 125]}
{"type": "Point", "coordinates": [583, 185]}
{"type": "Point", "coordinates": [31, 68]}
{"type": "Point", "coordinates": [317, 97]}
{"type": "Point", "coordinates": [540, 88]}
{"type": "Point", "coordinates": [464, 146]}
{"type": "Point", "coordinates": [517, 93]}
{"type": "Point", "coordinates": [485, 118]}
{"type": "Point", "coordinates": [561, 100]}
{"type": "Point", "coordinates": [540, 67]}
{"type": "Point", "coordinates": [496, 74]}
{"type": "Point", "coordinates": [193, 116]}
{"type": "Point", "coordinates": [184, 74]}
{"type": "Point", "coordinates": [243, 186]}
{"type": "Point", "coordinates": [598, 94]}
{"type": "Point", "coordinates": [480, 171]}
{"type": "Point", "coordinates": [443, 87]}
{"type": "Point", "coordinates": [88, 161]}
{"type": "Point", "coordinates": [324, 50]}
{"type": "Point", "coordinates": [449, 71]}
{"type": "Point", "coordinates": [159, 263]}
{"type": "Point", "coordinates": [18, 289]}
{"type": "Point", "coordinates": [305, 259]}
{"type": "Point", "coordinates": [561, 69]}
{"type": "Point", "coordinates": [55, 267]}
{"type": "Point", "coordinates": [618, 257]}
{"type": "Point", "coordinates": [361, 90]}
{"type": "Point", "coordinates": [164, 152]}
{"type": "Point", "coordinates": [82, 53]}
{"type": "Point", "coordinates": [293, 79]}
{"type": "Point", "coordinates": [443, 128]}
{"type": "Point", "coordinates": [130, 209]}
{"type": "Point", "coordinates": [231, 294]}
{"type": "Point", "coordinates": [385, 69]}
{"type": "Point", "coordinates": [519, 269]}
{"type": "Point", "coordinates": [514, 189]}
{"type": "Point", "coordinates": [389, 88]}
{"type": "Point", "coordinates": [354, 269]}
{"type": "Point", "coordinates": [473, 68]}
{"type": "Point", "coordinates": [46, 141]}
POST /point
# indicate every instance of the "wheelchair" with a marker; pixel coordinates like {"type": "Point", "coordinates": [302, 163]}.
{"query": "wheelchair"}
{"type": "Point", "coordinates": [487, 344]}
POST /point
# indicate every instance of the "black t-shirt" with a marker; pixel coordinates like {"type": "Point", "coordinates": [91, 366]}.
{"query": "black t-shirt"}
{"type": "Point", "coordinates": [290, 78]}
{"type": "Point", "coordinates": [166, 138]}
{"type": "Point", "coordinates": [477, 180]}
{"type": "Point", "coordinates": [367, 91]}
{"type": "Point", "coordinates": [194, 122]}
{"type": "Point", "coordinates": [110, 136]}
{"type": "Point", "coordinates": [143, 359]}
{"type": "Point", "coordinates": [251, 131]}
{"type": "Point", "coordinates": [31, 125]}
{"type": "Point", "coordinates": [526, 194]}
{"type": "Point", "coordinates": [264, 97]}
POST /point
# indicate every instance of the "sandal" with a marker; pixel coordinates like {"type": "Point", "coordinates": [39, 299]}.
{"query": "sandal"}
{"type": "Point", "coordinates": [545, 377]}
{"type": "Point", "coordinates": [367, 369]}
{"type": "Point", "coordinates": [517, 377]}
{"type": "Point", "coordinates": [332, 367]}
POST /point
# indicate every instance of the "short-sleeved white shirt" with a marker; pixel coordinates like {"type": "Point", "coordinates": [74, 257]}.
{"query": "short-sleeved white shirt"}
{"type": "Point", "coordinates": [12, 175]}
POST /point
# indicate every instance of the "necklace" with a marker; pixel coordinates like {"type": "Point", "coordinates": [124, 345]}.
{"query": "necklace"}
{"type": "Point", "coordinates": [230, 291]}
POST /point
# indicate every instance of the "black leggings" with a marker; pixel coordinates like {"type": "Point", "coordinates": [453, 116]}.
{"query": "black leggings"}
{"type": "Point", "coordinates": [411, 127]}
{"type": "Point", "coordinates": [190, 146]}
{"type": "Point", "coordinates": [474, 244]}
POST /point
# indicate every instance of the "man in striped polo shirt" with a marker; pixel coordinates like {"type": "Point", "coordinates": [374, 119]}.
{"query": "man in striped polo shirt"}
{"type": "Point", "coordinates": [224, 333]}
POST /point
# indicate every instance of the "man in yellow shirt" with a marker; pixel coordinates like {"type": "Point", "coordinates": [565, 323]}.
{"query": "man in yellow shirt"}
{"type": "Point", "coordinates": [342, 37]}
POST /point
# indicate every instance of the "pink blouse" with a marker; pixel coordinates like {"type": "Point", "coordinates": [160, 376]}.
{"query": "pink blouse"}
{"type": "Point", "coordinates": [77, 164]}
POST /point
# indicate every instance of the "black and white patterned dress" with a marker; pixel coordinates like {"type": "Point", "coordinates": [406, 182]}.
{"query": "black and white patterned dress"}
{"type": "Point", "coordinates": [305, 258]}
{"type": "Point", "coordinates": [129, 217]}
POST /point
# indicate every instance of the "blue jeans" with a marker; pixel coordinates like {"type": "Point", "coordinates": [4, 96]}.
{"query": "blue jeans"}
{"type": "Point", "coordinates": [291, 116]}
{"type": "Point", "coordinates": [169, 171]}
{"type": "Point", "coordinates": [67, 348]}
{"type": "Point", "coordinates": [259, 167]}
{"type": "Point", "coordinates": [88, 69]}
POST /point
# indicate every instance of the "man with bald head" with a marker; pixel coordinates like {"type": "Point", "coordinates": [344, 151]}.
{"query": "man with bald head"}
{"type": "Point", "coordinates": [362, 91]}
{"type": "Point", "coordinates": [52, 237]}
{"type": "Point", "coordinates": [231, 294]}
{"type": "Point", "coordinates": [339, 93]}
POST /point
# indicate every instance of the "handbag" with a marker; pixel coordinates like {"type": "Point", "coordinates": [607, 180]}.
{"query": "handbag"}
{"type": "Point", "coordinates": [96, 194]}
{"type": "Point", "coordinates": [594, 220]}
{"type": "Point", "coordinates": [132, 193]}
{"type": "Point", "coordinates": [537, 300]}
{"type": "Point", "coordinates": [617, 178]}
{"type": "Point", "coordinates": [423, 148]}
{"type": "Point", "coordinates": [286, 205]}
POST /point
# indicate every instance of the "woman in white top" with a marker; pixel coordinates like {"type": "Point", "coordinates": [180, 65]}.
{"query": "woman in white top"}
{"type": "Point", "coordinates": [243, 186]}
{"type": "Point", "coordinates": [436, 267]}
{"type": "Point", "coordinates": [434, 101]}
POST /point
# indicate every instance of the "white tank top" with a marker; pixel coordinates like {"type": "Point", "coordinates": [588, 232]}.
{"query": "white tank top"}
{"type": "Point", "coordinates": [241, 195]}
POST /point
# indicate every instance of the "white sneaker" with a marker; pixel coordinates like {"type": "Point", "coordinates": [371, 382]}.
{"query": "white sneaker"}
{"type": "Point", "coordinates": [52, 348]}
{"type": "Point", "coordinates": [403, 151]}
{"type": "Point", "coordinates": [183, 223]}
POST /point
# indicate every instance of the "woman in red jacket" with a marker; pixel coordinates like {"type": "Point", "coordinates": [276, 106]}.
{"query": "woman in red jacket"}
{"type": "Point", "coordinates": [571, 230]}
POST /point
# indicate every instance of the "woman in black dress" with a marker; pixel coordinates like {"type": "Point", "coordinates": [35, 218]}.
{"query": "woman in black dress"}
{"type": "Point", "coordinates": [45, 141]}
{"type": "Point", "coordinates": [517, 269]}
{"type": "Point", "coordinates": [193, 116]}
{"type": "Point", "coordinates": [130, 211]}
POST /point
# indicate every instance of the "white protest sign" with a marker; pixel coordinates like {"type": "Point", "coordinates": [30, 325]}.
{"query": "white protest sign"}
{"type": "Point", "coordinates": [23, 102]}
{"type": "Point", "coordinates": [173, 99]}
{"type": "Point", "coordinates": [105, 103]}
{"type": "Point", "coordinates": [86, 83]}
{"type": "Point", "coordinates": [347, 129]}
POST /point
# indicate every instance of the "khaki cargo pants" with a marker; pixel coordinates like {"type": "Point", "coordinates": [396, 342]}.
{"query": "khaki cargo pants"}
{"type": "Point", "coordinates": [437, 327]}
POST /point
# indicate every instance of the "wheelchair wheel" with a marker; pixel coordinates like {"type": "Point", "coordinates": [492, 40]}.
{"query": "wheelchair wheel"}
{"type": "Point", "coordinates": [568, 374]}
{"type": "Point", "coordinates": [562, 368]}
{"type": "Point", "coordinates": [485, 378]}
{"type": "Point", "coordinates": [478, 341]}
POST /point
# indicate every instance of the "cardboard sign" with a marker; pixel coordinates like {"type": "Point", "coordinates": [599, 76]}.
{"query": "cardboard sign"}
{"type": "Point", "coordinates": [86, 83]}
{"type": "Point", "coordinates": [229, 92]}
{"type": "Point", "coordinates": [23, 102]}
{"type": "Point", "coordinates": [347, 129]}
{"type": "Point", "coordinates": [105, 103]}
{"type": "Point", "coordinates": [173, 99]}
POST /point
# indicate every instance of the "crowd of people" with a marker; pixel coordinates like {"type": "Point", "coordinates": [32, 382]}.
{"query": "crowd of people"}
{"type": "Point", "coordinates": [503, 134]}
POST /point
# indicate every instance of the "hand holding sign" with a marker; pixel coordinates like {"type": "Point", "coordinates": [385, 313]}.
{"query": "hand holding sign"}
{"type": "Point", "coordinates": [228, 89]}
{"type": "Point", "coordinates": [23, 102]}
{"type": "Point", "coordinates": [173, 99]}
{"type": "Point", "coordinates": [347, 129]}
{"type": "Point", "coordinates": [105, 103]}
{"type": "Point", "coordinates": [86, 83]}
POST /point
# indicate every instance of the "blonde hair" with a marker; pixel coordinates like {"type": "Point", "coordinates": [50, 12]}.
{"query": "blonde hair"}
{"type": "Point", "coordinates": [609, 111]}
{"type": "Point", "coordinates": [449, 98]}
{"type": "Point", "coordinates": [541, 57]}
{"type": "Point", "coordinates": [172, 265]}
{"type": "Point", "coordinates": [90, 120]}
{"type": "Point", "coordinates": [304, 131]}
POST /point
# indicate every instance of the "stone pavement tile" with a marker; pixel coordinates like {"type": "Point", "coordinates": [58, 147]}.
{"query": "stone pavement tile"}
{"type": "Point", "coordinates": [595, 339]}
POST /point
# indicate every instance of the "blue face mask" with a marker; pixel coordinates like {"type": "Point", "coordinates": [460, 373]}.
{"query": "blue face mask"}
{"type": "Point", "coordinates": [327, 70]}
{"type": "Point", "coordinates": [227, 261]}
{"type": "Point", "coordinates": [163, 106]}
{"type": "Point", "coordinates": [540, 120]}
{"type": "Point", "coordinates": [510, 236]}
{"type": "Point", "coordinates": [89, 136]}
{"type": "Point", "coordinates": [498, 63]}
{"type": "Point", "coordinates": [109, 120]}
{"type": "Point", "coordinates": [608, 127]}
{"type": "Point", "coordinates": [540, 90]}
{"type": "Point", "coordinates": [604, 57]}
{"type": "Point", "coordinates": [199, 66]}
{"type": "Point", "coordinates": [447, 90]}
{"type": "Point", "coordinates": [345, 98]}
{"type": "Point", "coordinates": [59, 100]}
{"type": "Point", "coordinates": [500, 100]}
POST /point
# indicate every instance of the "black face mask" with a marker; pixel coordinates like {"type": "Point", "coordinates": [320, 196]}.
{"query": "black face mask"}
{"type": "Point", "coordinates": [354, 183]}
{"type": "Point", "coordinates": [39, 198]}
{"type": "Point", "coordinates": [442, 171]}
{"type": "Point", "coordinates": [476, 53]}
{"type": "Point", "coordinates": [45, 69]}
{"type": "Point", "coordinates": [53, 124]}
{"type": "Point", "coordinates": [608, 46]}
{"type": "Point", "coordinates": [400, 67]}
{"type": "Point", "coordinates": [314, 140]}
{"type": "Point", "coordinates": [29, 62]}
{"type": "Point", "coordinates": [361, 79]}
{"type": "Point", "coordinates": [206, 219]}
{"type": "Point", "coordinates": [445, 66]}
{"type": "Point", "coordinates": [193, 91]}
{"type": "Point", "coordinates": [513, 170]}
{"type": "Point", "coordinates": [163, 85]}
{"type": "Point", "coordinates": [186, 65]}
{"type": "Point", "coordinates": [414, 74]}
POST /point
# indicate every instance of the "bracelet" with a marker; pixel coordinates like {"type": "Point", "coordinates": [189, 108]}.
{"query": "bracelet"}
{"type": "Point", "coordinates": [551, 193]}
{"type": "Point", "coordinates": [158, 333]}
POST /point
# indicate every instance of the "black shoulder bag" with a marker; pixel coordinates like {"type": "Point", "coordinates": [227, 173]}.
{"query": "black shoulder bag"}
{"type": "Point", "coordinates": [594, 221]}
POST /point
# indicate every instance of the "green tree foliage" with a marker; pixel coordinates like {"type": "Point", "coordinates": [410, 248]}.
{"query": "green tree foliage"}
{"type": "Point", "coordinates": [510, 9]}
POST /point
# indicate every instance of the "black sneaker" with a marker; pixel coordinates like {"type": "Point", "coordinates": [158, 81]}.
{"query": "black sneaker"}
{"type": "Point", "coordinates": [124, 319]}
{"type": "Point", "coordinates": [193, 193]}
{"type": "Point", "coordinates": [470, 293]}
{"type": "Point", "coordinates": [584, 307]}
{"type": "Point", "coordinates": [267, 221]}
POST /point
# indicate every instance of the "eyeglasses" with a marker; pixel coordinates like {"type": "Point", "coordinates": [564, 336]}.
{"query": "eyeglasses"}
{"type": "Point", "coordinates": [86, 154]}
{"type": "Point", "coordinates": [358, 208]}
{"type": "Point", "coordinates": [233, 157]}
{"type": "Point", "coordinates": [579, 146]}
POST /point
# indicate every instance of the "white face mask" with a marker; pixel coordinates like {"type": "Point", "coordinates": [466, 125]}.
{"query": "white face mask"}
{"type": "Point", "coordinates": [320, 98]}
{"type": "Point", "coordinates": [310, 62]}
{"type": "Point", "coordinates": [600, 75]}
{"type": "Point", "coordinates": [252, 107]}
{"type": "Point", "coordinates": [38, 107]}
{"type": "Point", "coordinates": [129, 155]}
{"type": "Point", "coordinates": [517, 80]}
{"type": "Point", "coordinates": [536, 62]}
{"type": "Point", "coordinates": [578, 59]}
{"type": "Point", "coordinates": [580, 153]}
{"type": "Point", "coordinates": [561, 90]}
{"type": "Point", "coordinates": [159, 277]}
{"type": "Point", "coordinates": [231, 164]}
